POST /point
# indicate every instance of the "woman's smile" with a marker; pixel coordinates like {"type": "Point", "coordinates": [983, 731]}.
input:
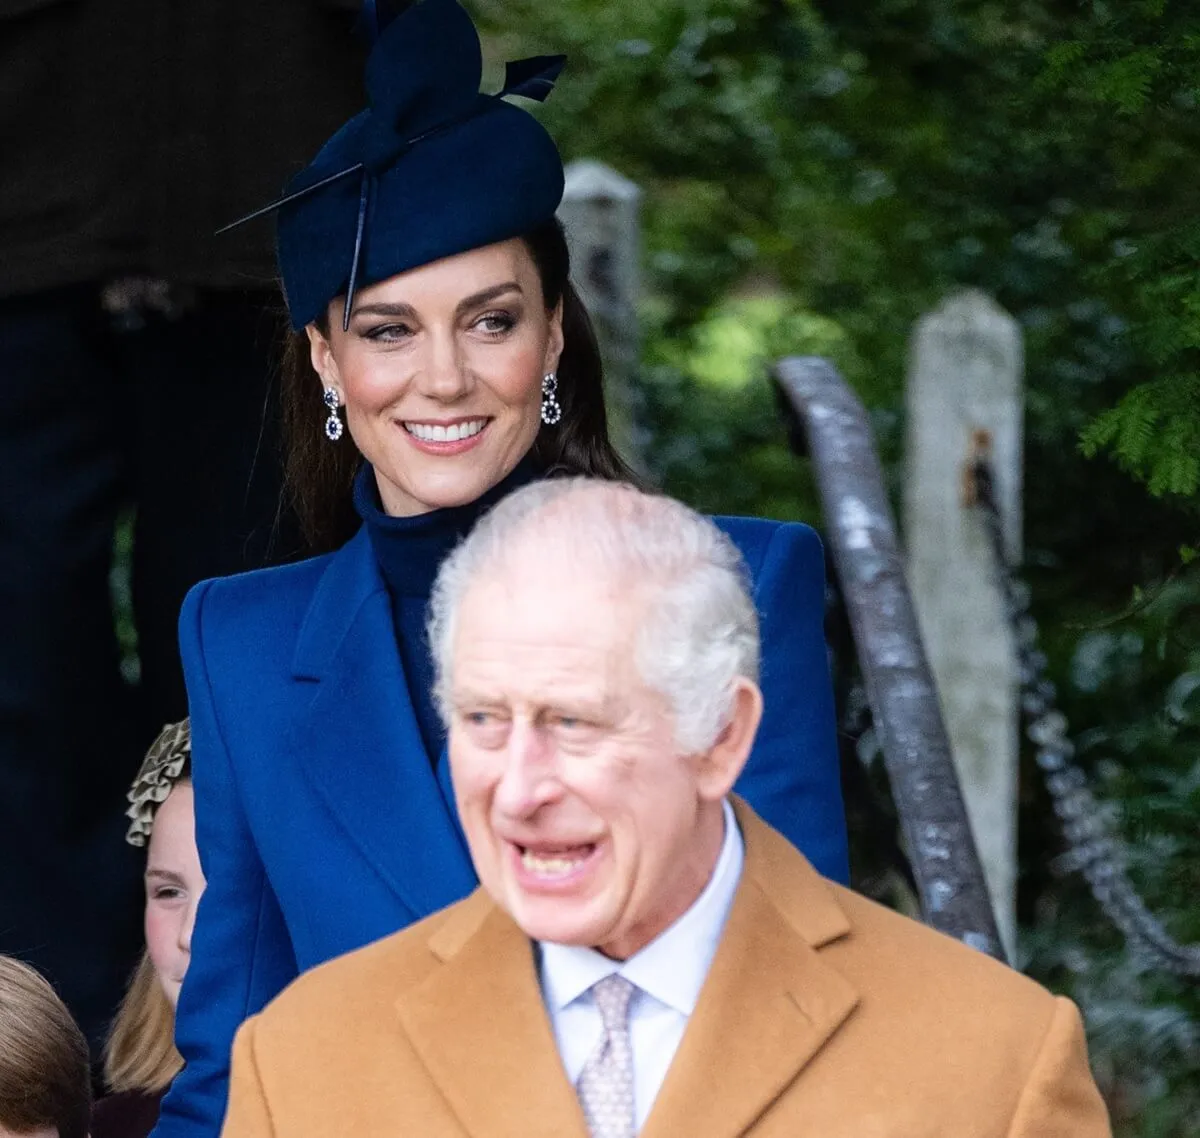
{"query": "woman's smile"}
{"type": "Point", "coordinates": [448, 436]}
{"type": "Point", "coordinates": [456, 374]}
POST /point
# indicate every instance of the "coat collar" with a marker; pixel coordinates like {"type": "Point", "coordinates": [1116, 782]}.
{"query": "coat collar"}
{"type": "Point", "coordinates": [359, 743]}
{"type": "Point", "coordinates": [770, 1002]}
{"type": "Point", "coordinates": [767, 1008]}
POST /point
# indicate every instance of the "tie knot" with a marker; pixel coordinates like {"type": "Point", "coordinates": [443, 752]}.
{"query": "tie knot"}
{"type": "Point", "coordinates": [612, 996]}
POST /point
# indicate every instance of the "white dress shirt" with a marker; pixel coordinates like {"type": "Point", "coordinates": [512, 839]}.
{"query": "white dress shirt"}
{"type": "Point", "coordinates": [667, 974]}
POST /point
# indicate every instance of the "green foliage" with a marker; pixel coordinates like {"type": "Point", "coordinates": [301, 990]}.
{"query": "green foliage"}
{"type": "Point", "coordinates": [1155, 432]}
{"type": "Point", "coordinates": [819, 173]}
{"type": "Point", "coordinates": [1140, 62]}
{"type": "Point", "coordinates": [1143, 754]}
{"type": "Point", "coordinates": [720, 443]}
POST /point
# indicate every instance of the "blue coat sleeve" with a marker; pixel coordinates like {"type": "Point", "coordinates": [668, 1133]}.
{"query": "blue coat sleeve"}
{"type": "Point", "coordinates": [793, 777]}
{"type": "Point", "coordinates": [241, 951]}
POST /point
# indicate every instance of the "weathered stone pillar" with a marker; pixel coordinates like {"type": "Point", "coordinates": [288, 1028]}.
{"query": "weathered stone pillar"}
{"type": "Point", "coordinates": [600, 212]}
{"type": "Point", "coordinates": [964, 395]}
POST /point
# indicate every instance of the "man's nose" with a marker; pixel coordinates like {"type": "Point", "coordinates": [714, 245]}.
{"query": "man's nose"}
{"type": "Point", "coordinates": [444, 375]}
{"type": "Point", "coordinates": [530, 779]}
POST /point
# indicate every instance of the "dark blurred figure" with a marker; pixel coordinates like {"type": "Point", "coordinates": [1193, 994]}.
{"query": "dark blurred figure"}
{"type": "Point", "coordinates": [136, 354]}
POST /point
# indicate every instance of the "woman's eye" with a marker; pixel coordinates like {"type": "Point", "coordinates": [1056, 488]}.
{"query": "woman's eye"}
{"type": "Point", "coordinates": [496, 323]}
{"type": "Point", "coordinates": [389, 333]}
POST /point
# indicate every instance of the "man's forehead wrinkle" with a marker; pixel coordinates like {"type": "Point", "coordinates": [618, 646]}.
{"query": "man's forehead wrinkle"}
{"type": "Point", "coordinates": [538, 671]}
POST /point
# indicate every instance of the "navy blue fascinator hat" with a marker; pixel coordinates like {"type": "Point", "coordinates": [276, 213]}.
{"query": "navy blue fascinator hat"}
{"type": "Point", "coordinates": [431, 168]}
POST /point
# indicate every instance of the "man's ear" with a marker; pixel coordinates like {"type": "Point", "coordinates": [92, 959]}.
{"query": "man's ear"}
{"type": "Point", "coordinates": [721, 765]}
{"type": "Point", "coordinates": [323, 361]}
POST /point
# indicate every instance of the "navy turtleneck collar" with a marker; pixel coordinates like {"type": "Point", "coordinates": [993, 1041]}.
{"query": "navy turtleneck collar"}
{"type": "Point", "coordinates": [411, 549]}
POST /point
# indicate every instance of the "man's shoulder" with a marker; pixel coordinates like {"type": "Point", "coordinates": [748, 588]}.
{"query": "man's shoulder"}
{"type": "Point", "coordinates": [361, 985]}
{"type": "Point", "coordinates": [927, 962]}
{"type": "Point", "coordinates": [894, 960]}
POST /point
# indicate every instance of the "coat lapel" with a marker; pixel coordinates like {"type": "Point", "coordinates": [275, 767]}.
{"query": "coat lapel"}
{"type": "Point", "coordinates": [359, 741]}
{"type": "Point", "coordinates": [479, 1025]}
{"type": "Point", "coordinates": [769, 1004]}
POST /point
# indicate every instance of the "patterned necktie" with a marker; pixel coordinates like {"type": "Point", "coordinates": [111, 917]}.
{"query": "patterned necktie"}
{"type": "Point", "coordinates": [605, 1085]}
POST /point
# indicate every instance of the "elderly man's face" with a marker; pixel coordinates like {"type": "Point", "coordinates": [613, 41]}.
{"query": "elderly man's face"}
{"type": "Point", "coordinates": [584, 822]}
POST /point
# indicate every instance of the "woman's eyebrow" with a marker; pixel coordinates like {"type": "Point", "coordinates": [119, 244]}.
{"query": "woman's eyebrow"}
{"type": "Point", "coordinates": [398, 310]}
{"type": "Point", "coordinates": [382, 308]}
{"type": "Point", "coordinates": [485, 296]}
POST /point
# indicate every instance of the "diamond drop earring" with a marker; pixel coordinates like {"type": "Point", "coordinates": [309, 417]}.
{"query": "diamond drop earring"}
{"type": "Point", "coordinates": [551, 408]}
{"type": "Point", "coordinates": [333, 425]}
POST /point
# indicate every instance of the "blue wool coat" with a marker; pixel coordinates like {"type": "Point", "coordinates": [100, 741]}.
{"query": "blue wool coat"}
{"type": "Point", "coordinates": [320, 821]}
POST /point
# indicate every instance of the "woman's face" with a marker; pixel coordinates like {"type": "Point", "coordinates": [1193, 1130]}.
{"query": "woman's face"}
{"type": "Point", "coordinates": [174, 884]}
{"type": "Point", "coordinates": [441, 374]}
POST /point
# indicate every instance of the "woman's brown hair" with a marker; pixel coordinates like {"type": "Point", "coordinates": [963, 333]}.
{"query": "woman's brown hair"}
{"type": "Point", "coordinates": [45, 1081]}
{"type": "Point", "coordinates": [318, 474]}
{"type": "Point", "coordinates": [139, 1054]}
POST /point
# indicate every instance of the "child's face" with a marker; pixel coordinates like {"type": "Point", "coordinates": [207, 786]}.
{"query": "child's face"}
{"type": "Point", "coordinates": [174, 883]}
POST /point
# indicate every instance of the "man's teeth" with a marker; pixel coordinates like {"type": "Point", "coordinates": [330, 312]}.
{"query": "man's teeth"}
{"type": "Point", "coordinates": [431, 433]}
{"type": "Point", "coordinates": [552, 866]}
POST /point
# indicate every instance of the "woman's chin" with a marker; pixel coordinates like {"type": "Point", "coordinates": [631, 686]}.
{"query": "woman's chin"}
{"type": "Point", "coordinates": [429, 482]}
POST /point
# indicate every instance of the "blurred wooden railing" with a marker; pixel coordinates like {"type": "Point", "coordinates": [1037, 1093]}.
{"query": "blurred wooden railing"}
{"type": "Point", "coordinates": [830, 426]}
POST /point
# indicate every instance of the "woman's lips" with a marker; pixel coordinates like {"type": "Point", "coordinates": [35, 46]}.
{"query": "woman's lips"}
{"type": "Point", "coordinates": [447, 437]}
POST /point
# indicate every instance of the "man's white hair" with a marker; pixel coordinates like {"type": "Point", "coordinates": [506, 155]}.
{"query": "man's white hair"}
{"type": "Point", "coordinates": [698, 629]}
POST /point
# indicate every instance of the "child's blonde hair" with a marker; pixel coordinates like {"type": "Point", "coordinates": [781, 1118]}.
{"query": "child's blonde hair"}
{"type": "Point", "coordinates": [140, 1054]}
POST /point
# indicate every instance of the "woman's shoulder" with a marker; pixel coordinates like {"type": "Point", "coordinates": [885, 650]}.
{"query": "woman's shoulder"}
{"type": "Point", "coordinates": [263, 600]}
{"type": "Point", "coordinates": [247, 620]}
{"type": "Point", "coordinates": [764, 542]}
{"type": "Point", "coordinates": [274, 585]}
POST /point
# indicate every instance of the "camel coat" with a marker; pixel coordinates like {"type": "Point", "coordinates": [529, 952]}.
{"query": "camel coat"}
{"type": "Point", "coordinates": [823, 1015]}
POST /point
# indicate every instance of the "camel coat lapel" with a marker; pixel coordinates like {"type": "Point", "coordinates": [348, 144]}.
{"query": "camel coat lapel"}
{"type": "Point", "coordinates": [480, 1027]}
{"type": "Point", "coordinates": [769, 1004]}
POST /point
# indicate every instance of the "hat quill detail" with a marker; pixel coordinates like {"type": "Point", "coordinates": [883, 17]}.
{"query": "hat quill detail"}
{"type": "Point", "coordinates": [442, 168]}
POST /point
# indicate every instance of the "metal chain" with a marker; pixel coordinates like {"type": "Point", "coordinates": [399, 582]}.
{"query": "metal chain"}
{"type": "Point", "coordinates": [1092, 847]}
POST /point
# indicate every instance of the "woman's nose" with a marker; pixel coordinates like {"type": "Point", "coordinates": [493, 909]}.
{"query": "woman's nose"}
{"type": "Point", "coordinates": [445, 375]}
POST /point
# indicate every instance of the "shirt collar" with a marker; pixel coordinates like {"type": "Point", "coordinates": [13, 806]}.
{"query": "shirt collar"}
{"type": "Point", "coordinates": [672, 967]}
